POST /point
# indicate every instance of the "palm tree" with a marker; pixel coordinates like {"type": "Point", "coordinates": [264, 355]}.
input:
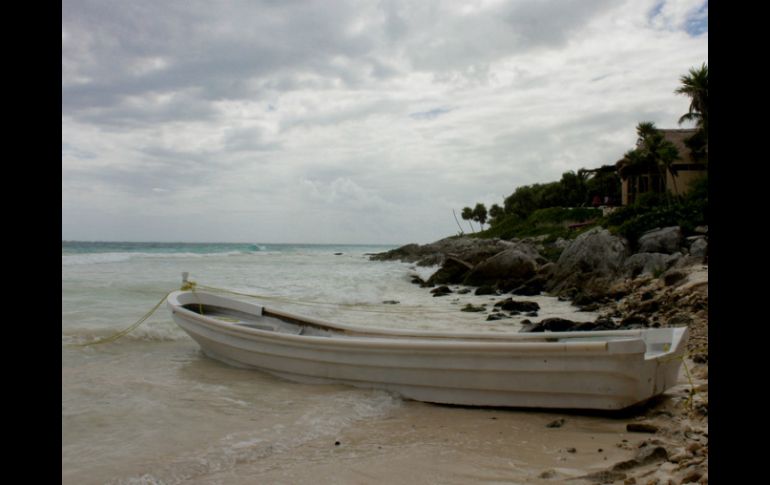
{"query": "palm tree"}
{"type": "Point", "coordinates": [467, 215]}
{"type": "Point", "coordinates": [480, 214]}
{"type": "Point", "coordinates": [653, 152]}
{"type": "Point", "coordinates": [696, 86]}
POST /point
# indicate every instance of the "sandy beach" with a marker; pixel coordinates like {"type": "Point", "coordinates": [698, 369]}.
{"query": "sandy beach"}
{"type": "Point", "coordinates": [433, 444]}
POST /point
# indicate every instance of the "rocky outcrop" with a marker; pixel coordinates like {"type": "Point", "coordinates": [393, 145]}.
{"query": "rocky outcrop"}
{"type": "Point", "coordinates": [667, 240]}
{"type": "Point", "coordinates": [589, 264]}
{"type": "Point", "coordinates": [511, 268]}
{"type": "Point", "coordinates": [590, 270]}
{"type": "Point", "coordinates": [468, 249]}
{"type": "Point", "coordinates": [648, 264]}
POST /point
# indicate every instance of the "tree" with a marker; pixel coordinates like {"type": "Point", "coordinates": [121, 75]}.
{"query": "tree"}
{"type": "Point", "coordinates": [467, 215]}
{"type": "Point", "coordinates": [495, 214]}
{"type": "Point", "coordinates": [696, 86]}
{"type": "Point", "coordinates": [480, 214]}
{"type": "Point", "coordinates": [652, 152]}
{"type": "Point", "coordinates": [523, 201]}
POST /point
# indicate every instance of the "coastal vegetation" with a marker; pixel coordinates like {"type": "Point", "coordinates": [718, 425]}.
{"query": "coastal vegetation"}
{"type": "Point", "coordinates": [588, 198]}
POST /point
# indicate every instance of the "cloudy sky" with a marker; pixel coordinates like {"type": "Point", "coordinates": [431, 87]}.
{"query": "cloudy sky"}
{"type": "Point", "coordinates": [349, 121]}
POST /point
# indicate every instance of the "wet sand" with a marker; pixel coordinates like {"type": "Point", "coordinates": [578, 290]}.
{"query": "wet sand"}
{"type": "Point", "coordinates": [421, 443]}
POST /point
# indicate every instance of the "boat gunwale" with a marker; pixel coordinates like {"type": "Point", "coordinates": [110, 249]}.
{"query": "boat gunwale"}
{"type": "Point", "coordinates": [391, 340]}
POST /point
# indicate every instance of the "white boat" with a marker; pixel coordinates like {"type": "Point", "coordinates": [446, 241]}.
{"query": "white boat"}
{"type": "Point", "coordinates": [567, 370]}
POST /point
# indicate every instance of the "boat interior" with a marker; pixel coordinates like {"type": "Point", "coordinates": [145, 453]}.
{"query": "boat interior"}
{"type": "Point", "coordinates": [657, 343]}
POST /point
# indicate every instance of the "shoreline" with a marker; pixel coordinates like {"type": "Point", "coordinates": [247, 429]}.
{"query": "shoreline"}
{"type": "Point", "coordinates": [675, 450]}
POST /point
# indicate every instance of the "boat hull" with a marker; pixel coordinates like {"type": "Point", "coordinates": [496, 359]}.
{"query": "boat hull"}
{"type": "Point", "coordinates": [582, 373]}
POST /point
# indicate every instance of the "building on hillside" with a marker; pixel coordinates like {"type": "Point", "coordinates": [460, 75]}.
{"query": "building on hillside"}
{"type": "Point", "coordinates": [635, 182]}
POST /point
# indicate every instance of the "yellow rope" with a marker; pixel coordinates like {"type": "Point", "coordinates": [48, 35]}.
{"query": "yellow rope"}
{"type": "Point", "coordinates": [128, 330]}
{"type": "Point", "coordinates": [689, 401]}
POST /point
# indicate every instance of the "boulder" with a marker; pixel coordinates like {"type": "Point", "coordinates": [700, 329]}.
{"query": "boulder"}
{"type": "Point", "coordinates": [698, 246]}
{"type": "Point", "coordinates": [590, 263]}
{"type": "Point", "coordinates": [509, 304]}
{"type": "Point", "coordinates": [512, 267]}
{"type": "Point", "coordinates": [441, 291]}
{"type": "Point", "coordinates": [452, 272]}
{"type": "Point", "coordinates": [531, 287]}
{"type": "Point", "coordinates": [667, 240]}
{"type": "Point", "coordinates": [550, 324]}
{"type": "Point", "coordinates": [648, 264]}
{"type": "Point", "coordinates": [485, 290]}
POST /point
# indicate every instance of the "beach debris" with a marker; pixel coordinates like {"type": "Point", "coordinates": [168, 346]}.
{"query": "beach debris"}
{"type": "Point", "coordinates": [642, 428]}
{"type": "Point", "coordinates": [547, 474]}
{"type": "Point", "coordinates": [441, 291]}
{"type": "Point", "coordinates": [485, 290]}
{"type": "Point", "coordinates": [472, 308]}
{"type": "Point", "coordinates": [646, 456]}
{"type": "Point", "coordinates": [509, 304]}
{"type": "Point", "coordinates": [558, 423]}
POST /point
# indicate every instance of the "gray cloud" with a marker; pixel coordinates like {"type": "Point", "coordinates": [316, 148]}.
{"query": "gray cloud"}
{"type": "Point", "coordinates": [330, 110]}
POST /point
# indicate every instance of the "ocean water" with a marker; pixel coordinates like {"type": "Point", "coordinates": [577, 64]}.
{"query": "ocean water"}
{"type": "Point", "coordinates": [150, 408]}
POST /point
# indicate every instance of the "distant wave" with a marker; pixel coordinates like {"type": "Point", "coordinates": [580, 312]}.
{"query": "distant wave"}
{"type": "Point", "coordinates": [105, 258]}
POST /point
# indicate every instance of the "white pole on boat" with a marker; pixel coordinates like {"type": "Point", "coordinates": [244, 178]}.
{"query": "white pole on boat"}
{"type": "Point", "coordinates": [185, 274]}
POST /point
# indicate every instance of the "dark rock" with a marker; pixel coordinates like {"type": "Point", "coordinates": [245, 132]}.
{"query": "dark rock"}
{"type": "Point", "coordinates": [510, 266]}
{"type": "Point", "coordinates": [409, 253]}
{"type": "Point", "coordinates": [496, 316]}
{"type": "Point", "coordinates": [666, 240]}
{"type": "Point", "coordinates": [641, 428]}
{"type": "Point", "coordinates": [679, 320]}
{"type": "Point", "coordinates": [463, 291]}
{"type": "Point", "coordinates": [648, 263]}
{"type": "Point", "coordinates": [451, 272]}
{"type": "Point", "coordinates": [673, 277]}
{"type": "Point", "coordinates": [509, 304]}
{"type": "Point", "coordinates": [391, 302]}
{"type": "Point", "coordinates": [469, 249]}
{"type": "Point", "coordinates": [603, 323]}
{"type": "Point", "coordinates": [532, 287]}
{"type": "Point", "coordinates": [471, 308]}
{"type": "Point", "coordinates": [583, 299]}
{"type": "Point", "coordinates": [634, 321]}
{"type": "Point", "coordinates": [551, 325]}
{"type": "Point", "coordinates": [648, 307]}
{"type": "Point", "coordinates": [701, 358]}
{"type": "Point", "coordinates": [417, 280]}
{"type": "Point", "coordinates": [441, 291]}
{"type": "Point", "coordinates": [485, 290]}
{"type": "Point", "coordinates": [589, 308]}
{"type": "Point", "coordinates": [558, 423]}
